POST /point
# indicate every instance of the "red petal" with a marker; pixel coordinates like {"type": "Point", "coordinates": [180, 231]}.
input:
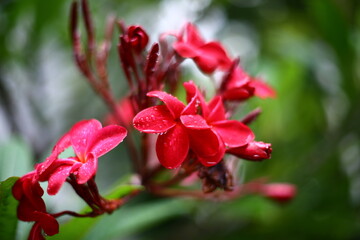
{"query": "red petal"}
{"type": "Point", "coordinates": [174, 105]}
{"type": "Point", "coordinates": [213, 160]}
{"type": "Point", "coordinates": [63, 143]}
{"type": "Point", "coordinates": [47, 222]}
{"type": "Point", "coordinates": [193, 36]}
{"type": "Point", "coordinates": [194, 99]}
{"type": "Point", "coordinates": [106, 139]}
{"type": "Point", "coordinates": [238, 93]}
{"type": "Point", "coordinates": [206, 63]}
{"type": "Point", "coordinates": [172, 147]}
{"type": "Point", "coordinates": [204, 142]}
{"type": "Point", "coordinates": [81, 134]}
{"type": "Point", "coordinates": [233, 133]}
{"type": "Point", "coordinates": [155, 119]}
{"type": "Point", "coordinates": [194, 122]}
{"type": "Point", "coordinates": [217, 52]}
{"type": "Point", "coordinates": [185, 50]}
{"type": "Point", "coordinates": [217, 110]}
{"type": "Point", "coordinates": [36, 233]}
{"type": "Point", "coordinates": [88, 169]}
{"type": "Point", "coordinates": [58, 178]}
{"type": "Point", "coordinates": [262, 90]}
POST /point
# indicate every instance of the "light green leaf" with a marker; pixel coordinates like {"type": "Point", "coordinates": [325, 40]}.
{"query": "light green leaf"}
{"type": "Point", "coordinates": [8, 204]}
{"type": "Point", "coordinates": [15, 158]}
{"type": "Point", "coordinates": [77, 228]}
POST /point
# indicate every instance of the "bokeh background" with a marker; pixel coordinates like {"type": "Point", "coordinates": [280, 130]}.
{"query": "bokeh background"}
{"type": "Point", "coordinates": [309, 51]}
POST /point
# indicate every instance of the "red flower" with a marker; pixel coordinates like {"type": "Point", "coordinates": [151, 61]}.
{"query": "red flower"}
{"type": "Point", "coordinates": [32, 207]}
{"type": "Point", "coordinates": [240, 86]}
{"type": "Point", "coordinates": [207, 55]}
{"type": "Point", "coordinates": [181, 129]}
{"type": "Point", "coordinates": [89, 141]}
{"type": "Point", "coordinates": [255, 151]}
{"type": "Point", "coordinates": [233, 133]}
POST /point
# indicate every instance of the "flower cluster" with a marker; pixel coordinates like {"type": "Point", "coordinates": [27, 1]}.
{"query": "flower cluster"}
{"type": "Point", "coordinates": [89, 140]}
{"type": "Point", "coordinates": [197, 137]}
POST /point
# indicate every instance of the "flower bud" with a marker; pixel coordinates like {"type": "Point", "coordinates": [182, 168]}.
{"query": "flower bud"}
{"type": "Point", "coordinates": [255, 151]}
{"type": "Point", "coordinates": [137, 38]}
{"type": "Point", "coordinates": [280, 192]}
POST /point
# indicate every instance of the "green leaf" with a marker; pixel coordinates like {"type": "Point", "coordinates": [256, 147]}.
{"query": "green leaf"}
{"type": "Point", "coordinates": [77, 228]}
{"type": "Point", "coordinates": [15, 158]}
{"type": "Point", "coordinates": [138, 217]}
{"type": "Point", "coordinates": [8, 205]}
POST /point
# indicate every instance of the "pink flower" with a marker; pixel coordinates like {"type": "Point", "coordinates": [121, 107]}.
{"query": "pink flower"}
{"type": "Point", "coordinates": [32, 207]}
{"type": "Point", "coordinates": [181, 129]}
{"type": "Point", "coordinates": [238, 85]}
{"type": "Point", "coordinates": [207, 55]}
{"type": "Point", "coordinates": [89, 142]}
{"type": "Point", "coordinates": [255, 151]}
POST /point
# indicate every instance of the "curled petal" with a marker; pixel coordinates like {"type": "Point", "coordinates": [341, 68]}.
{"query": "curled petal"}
{"type": "Point", "coordinates": [255, 151]}
{"type": "Point", "coordinates": [155, 119]}
{"type": "Point", "coordinates": [195, 100]}
{"type": "Point", "coordinates": [88, 169]}
{"type": "Point", "coordinates": [47, 222]}
{"type": "Point", "coordinates": [233, 133]}
{"type": "Point", "coordinates": [194, 122]}
{"type": "Point", "coordinates": [106, 139]}
{"type": "Point", "coordinates": [262, 90]}
{"type": "Point", "coordinates": [217, 110]}
{"type": "Point", "coordinates": [63, 143]}
{"type": "Point", "coordinates": [36, 232]}
{"type": "Point", "coordinates": [59, 176]}
{"type": "Point", "coordinates": [193, 36]}
{"type": "Point", "coordinates": [215, 159]}
{"type": "Point", "coordinates": [204, 142]}
{"type": "Point", "coordinates": [172, 147]}
{"type": "Point", "coordinates": [174, 105]}
{"type": "Point", "coordinates": [81, 133]}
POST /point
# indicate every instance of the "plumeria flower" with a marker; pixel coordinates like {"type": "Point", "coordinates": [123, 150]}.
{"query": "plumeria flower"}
{"type": "Point", "coordinates": [32, 207]}
{"type": "Point", "coordinates": [89, 142]}
{"type": "Point", "coordinates": [209, 56]}
{"type": "Point", "coordinates": [181, 129]}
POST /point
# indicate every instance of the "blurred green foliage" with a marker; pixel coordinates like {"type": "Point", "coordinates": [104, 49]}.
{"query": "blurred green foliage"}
{"type": "Point", "coordinates": [308, 50]}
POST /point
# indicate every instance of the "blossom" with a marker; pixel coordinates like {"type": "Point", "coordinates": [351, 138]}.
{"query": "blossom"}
{"type": "Point", "coordinates": [255, 151]}
{"type": "Point", "coordinates": [207, 55]}
{"type": "Point", "coordinates": [89, 142]}
{"type": "Point", "coordinates": [181, 129]}
{"type": "Point", "coordinates": [32, 207]}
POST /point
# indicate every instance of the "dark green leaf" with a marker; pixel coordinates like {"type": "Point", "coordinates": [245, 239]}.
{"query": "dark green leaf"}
{"type": "Point", "coordinates": [8, 204]}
